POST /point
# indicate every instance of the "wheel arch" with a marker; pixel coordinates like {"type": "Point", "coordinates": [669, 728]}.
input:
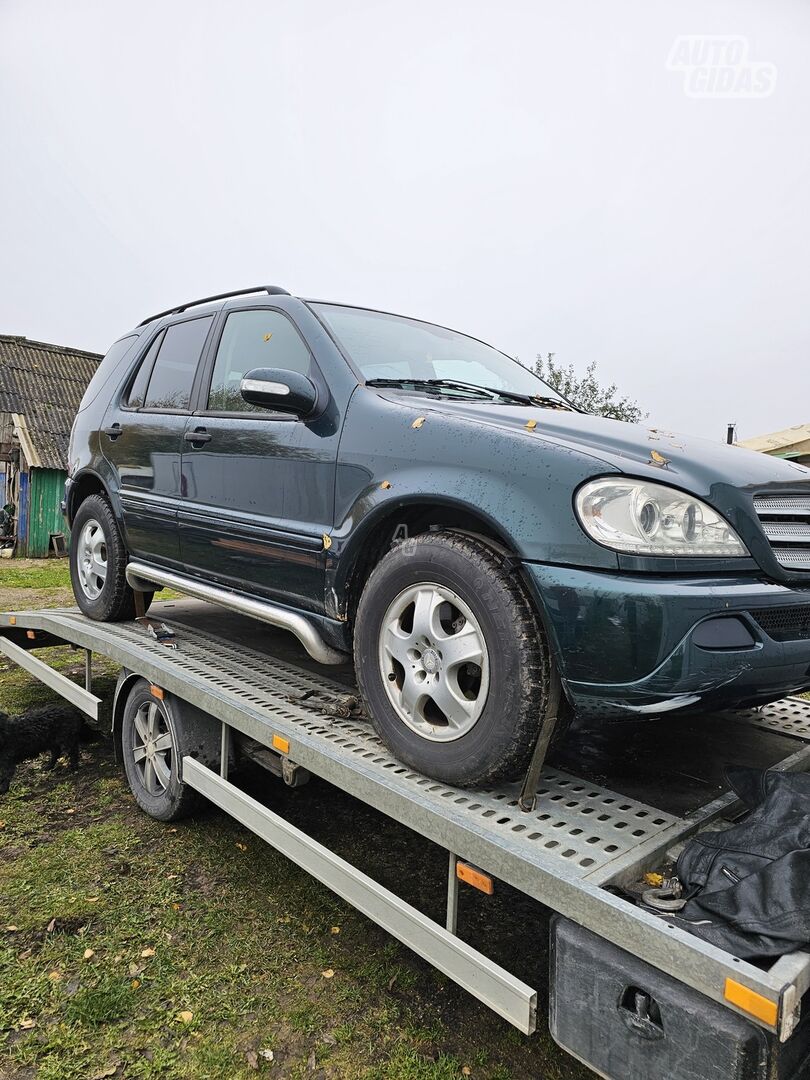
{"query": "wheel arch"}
{"type": "Point", "coordinates": [126, 680]}
{"type": "Point", "coordinates": [410, 516]}
{"type": "Point", "coordinates": [203, 731]}
{"type": "Point", "coordinates": [83, 485]}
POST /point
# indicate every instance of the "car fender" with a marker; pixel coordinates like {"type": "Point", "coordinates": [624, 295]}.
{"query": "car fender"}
{"type": "Point", "coordinates": [395, 456]}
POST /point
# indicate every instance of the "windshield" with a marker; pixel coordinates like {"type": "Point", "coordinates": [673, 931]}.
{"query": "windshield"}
{"type": "Point", "coordinates": [395, 348]}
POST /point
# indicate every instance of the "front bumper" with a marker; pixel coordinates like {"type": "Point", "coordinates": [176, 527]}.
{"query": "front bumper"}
{"type": "Point", "coordinates": [629, 645]}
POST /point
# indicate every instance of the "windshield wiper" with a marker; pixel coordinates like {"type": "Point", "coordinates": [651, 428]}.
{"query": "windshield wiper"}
{"type": "Point", "coordinates": [506, 395]}
{"type": "Point", "coordinates": [490, 392]}
{"type": "Point", "coordinates": [554, 403]}
{"type": "Point", "coordinates": [428, 385]}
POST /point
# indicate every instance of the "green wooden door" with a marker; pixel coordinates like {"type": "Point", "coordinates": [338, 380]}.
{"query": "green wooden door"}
{"type": "Point", "coordinates": [46, 490]}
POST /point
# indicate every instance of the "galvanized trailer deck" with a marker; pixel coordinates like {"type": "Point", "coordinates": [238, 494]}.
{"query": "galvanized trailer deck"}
{"type": "Point", "coordinates": [581, 839]}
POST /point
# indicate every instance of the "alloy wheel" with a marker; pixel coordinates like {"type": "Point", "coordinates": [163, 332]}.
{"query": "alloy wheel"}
{"type": "Point", "coordinates": [152, 748]}
{"type": "Point", "coordinates": [434, 662]}
{"type": "Point", "coordinates": [91, 559]}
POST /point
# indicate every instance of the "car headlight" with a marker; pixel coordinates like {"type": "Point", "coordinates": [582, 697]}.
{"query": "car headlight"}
{"type": "Point", "coordinates": [642, 518]}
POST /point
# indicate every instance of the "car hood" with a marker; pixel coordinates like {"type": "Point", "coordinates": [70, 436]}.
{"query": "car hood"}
{"type": "Point", "coordinates": [683, 460]}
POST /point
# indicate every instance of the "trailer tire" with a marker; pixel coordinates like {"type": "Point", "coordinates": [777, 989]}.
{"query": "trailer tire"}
{"type": "Point", "coordinates": [154, 740]}
{"type": "Point", "coordinates": [462, 721]}
{"type": "Point", "coordinates": [98, 564]}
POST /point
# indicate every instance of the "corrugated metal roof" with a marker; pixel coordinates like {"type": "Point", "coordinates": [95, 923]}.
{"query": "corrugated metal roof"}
{"type": "Point", "coordinates": [45, 384]}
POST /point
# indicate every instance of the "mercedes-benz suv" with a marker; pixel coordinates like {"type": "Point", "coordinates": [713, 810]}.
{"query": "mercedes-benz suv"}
{"type": "Point", "coordinates": [390, 488]}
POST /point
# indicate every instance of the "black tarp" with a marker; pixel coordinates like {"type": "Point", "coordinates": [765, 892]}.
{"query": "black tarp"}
{"type": "Point", "coordinates": [749, 885]}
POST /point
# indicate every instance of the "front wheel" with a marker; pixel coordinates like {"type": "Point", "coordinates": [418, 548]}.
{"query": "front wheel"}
{"type": "Point", "coordinates": [451, 660]}
{"type": "Point", "coordinates": [98, 562]}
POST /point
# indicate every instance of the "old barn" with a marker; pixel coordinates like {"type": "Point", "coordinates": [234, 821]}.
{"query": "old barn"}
{"type": "Point", "coordinates": [41, 386]}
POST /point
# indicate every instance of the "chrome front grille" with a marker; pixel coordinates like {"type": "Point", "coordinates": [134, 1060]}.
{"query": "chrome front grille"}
{"type": "Point", "coordinates": [794, 531]}
{"type": "Point", "coordinates": [785, 520]}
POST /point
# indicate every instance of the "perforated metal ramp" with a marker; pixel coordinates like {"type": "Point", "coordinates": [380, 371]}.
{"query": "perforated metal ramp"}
{"type": "Point", "coordinates": [591, 831]}
{"type": "Point", "coordinates": [584, 826]}
{"type": "Point", "coordinates": [791, 716]}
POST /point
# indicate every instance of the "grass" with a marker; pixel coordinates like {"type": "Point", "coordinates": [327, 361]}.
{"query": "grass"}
{"type": "Point", "coordinates": [134, 949]}
{"type": "Point", "coordinates": [35, 574]}
{"type": "Point", "coordinates": [192, 951]}
{"type": "Point", "coordinates": [36, 583]}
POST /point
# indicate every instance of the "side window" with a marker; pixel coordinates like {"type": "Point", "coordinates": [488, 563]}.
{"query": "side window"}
{"type": "Point", "coordinates": [253, 339]}
{"type": "Point", "coordinates": [176, 364]}
{"type": "Point", "coordinates": [137, 390]}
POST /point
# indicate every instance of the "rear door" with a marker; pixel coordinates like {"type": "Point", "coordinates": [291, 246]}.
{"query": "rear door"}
{"type": "Point", "coordinates": [258, 485]}
{"type": "Point", "coordinates": [142, 438]}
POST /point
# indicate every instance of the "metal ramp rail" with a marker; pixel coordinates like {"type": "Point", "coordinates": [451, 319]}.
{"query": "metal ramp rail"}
{"type": "Point", "coordinates": [579, 839]}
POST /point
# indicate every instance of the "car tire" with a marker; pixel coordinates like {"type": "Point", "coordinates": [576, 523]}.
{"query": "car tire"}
{"type": "Point", "coordinates": [98, 562]}
{"type": "Point", "coordinates": [430, 601]}
{"type": "Point", "coordinates": [154, 740]}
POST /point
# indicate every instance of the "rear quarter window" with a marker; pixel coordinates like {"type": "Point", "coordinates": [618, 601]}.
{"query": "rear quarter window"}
{"type": "Point", "coordinates": [136, 394]}
{"type": "Point", "coordinates": [112, 362]}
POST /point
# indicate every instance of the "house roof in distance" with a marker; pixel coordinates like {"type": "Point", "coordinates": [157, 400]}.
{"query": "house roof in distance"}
{"type": "Point", "coordinates": [44, 384]}
{"type": "Point", "coordinates": [791, 440]}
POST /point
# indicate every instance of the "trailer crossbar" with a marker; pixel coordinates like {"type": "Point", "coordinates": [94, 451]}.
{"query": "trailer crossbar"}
{"type": "Point", "coordinates": [497, 988]}
{"type": "Point", "coordinates": [76, 695]}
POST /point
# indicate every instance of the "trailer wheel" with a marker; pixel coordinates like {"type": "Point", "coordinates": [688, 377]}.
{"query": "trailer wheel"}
{"type": "Point", "coordinates": [153, 742]}
{"type": "Point", "coordinates": [451, 659]}
{"type": "Point", "coordinates": [98, 562]}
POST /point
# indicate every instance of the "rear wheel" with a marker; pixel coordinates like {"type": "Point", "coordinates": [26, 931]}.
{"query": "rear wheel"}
{"type": "Point", "coordinates": [451, 660]}
{"type": "Point", "coordinates": [153, 743]}
{"type": "Point", "coordinates": [98, 561]}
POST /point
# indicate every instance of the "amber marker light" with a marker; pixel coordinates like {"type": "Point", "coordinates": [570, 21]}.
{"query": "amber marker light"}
{"type": "Point", "coordinates": [751, 1002]}
{"type": "Point", "coordinates": [281, 744]}
{"type": "Point", "coordinates": [477, 878]}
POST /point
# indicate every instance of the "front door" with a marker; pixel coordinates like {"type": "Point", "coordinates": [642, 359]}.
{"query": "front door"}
{"type": "Point", "coordinates": [258, 486]}
{"type": "Point", "coordinates": [142, 438]}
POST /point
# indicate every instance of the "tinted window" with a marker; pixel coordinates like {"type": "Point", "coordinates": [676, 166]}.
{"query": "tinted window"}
{"type": "Point", "coordinates": [106, 368]}
{"type": "Point", "coordinates": [253, 339]}
{"type": "Point", "coordinates": [137, 390]}
{"type": "Point", "coordinates": [173, 373]}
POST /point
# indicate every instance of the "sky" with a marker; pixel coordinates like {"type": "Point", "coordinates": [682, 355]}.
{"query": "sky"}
{"type": "Point", "coordinates": [624, 182]}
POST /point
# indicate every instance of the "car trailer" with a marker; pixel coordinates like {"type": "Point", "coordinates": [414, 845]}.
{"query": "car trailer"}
{"type": "Point", "coordinates": [631, 994]}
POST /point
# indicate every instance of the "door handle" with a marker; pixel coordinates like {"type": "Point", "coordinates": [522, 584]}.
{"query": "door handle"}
{"type": "Point", "coordinates": [113, 431]}
{"type": "Point", "coordinates": [197, 437]}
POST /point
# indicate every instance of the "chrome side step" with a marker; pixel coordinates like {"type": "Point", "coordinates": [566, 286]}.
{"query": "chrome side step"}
{"type": "Point", "coordinates": [141, 575]}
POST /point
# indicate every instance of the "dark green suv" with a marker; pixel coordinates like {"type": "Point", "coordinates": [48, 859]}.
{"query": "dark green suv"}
{"type": "Point", "coordinates": [392, 488]}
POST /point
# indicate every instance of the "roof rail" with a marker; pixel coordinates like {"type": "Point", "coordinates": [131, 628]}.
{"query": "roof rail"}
{"type": "Point", "coordinates": [271, 290]}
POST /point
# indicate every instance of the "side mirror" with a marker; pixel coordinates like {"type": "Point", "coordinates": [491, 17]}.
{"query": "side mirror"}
{"type": "Point", "coordinates": [280, 390]}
